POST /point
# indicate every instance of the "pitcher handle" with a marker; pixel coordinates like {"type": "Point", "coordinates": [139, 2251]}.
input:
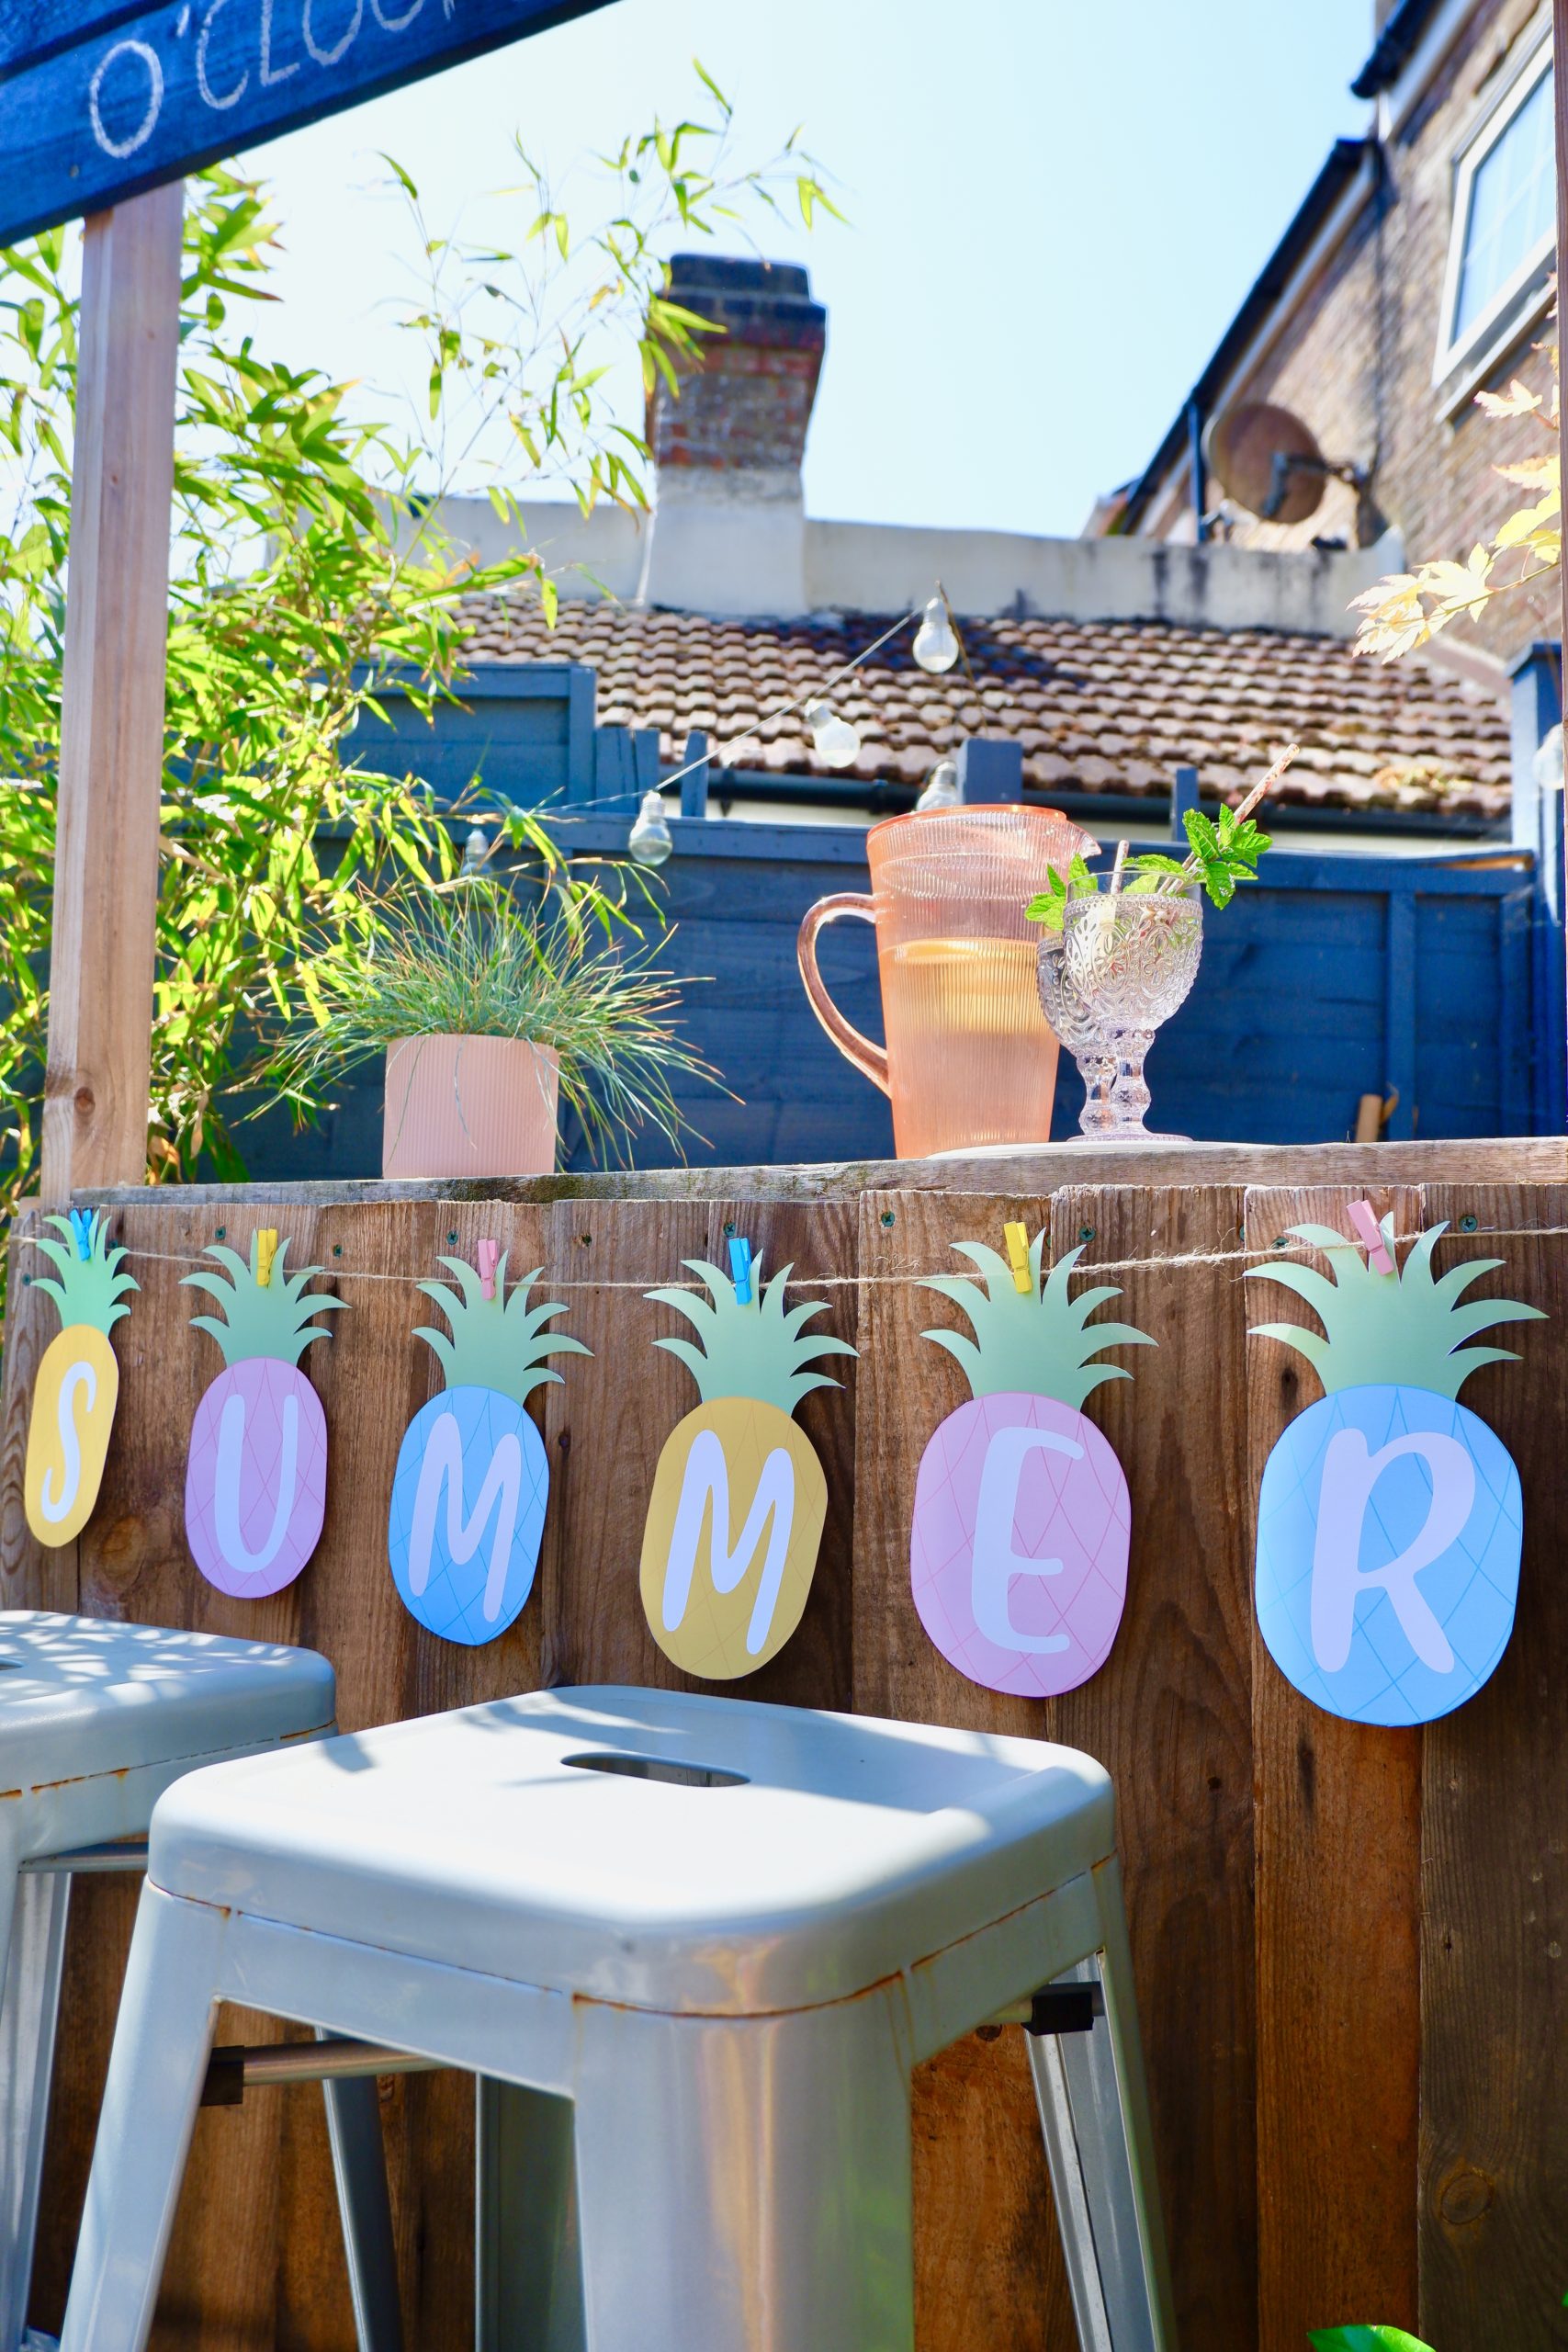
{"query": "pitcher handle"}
{"type": "Point", "coordinates": [870, 1059]}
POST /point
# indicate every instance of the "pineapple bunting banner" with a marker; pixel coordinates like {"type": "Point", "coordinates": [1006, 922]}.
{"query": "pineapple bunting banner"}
{"type": "Point", "coordinates": [1021, 1523]}
{"type": "Point", "coordinates": [78, 1381]}
{"type": "Point", "coordinates": [475, 1438]}
{"type": "Point", "coordinates": [1390, 1523]}
{"type": "Point", "coordinates": [720, 1603]}
{"type": "Point", "coordinates": [256, 1469]}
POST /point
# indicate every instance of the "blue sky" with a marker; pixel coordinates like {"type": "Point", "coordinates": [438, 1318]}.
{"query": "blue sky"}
{"type": "Point", "coordinates": [1054, 211]}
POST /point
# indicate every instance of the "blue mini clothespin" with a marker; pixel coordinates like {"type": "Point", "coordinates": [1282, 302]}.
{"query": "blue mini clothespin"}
{"type": "Point", "coordinates": [82, 1226]}
{"type": "Point", "coordinates": [740, 1268]}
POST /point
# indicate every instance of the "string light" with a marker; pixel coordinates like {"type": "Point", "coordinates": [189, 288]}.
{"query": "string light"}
{"type": "Point", "coordinates": [936, 645]}
{"type": "Point", "coordinates": [942, 787]}
{"type": "Point", "coordinates": [650, 840]}
{"type": "Point", "coordinates": [835, 742]}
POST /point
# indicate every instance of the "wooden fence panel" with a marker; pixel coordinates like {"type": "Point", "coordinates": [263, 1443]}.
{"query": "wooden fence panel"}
{"type": "Point", "coordinates": [1492, 2218]}
{"type": "Point", "coordinates": [1339, 1832]}
{"type": "Point", "coordinates": [1411, 1889]}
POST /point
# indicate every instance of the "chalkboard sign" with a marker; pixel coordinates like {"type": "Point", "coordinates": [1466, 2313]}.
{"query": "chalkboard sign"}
{"type": "Point", "coordinates": [100, 99]}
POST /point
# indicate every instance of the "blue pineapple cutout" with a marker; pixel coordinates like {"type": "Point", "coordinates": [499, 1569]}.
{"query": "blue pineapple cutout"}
{"type": "Point", "coordinates": [473, 1481]}
{"type": "Point", "coordinates": [1389, 1521]}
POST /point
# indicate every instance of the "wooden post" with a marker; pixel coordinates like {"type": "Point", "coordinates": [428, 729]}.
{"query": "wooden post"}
{"type": "Point", "coordinates": [1560, 50]}
{"type": "Point", "coordinates": [111, 746]}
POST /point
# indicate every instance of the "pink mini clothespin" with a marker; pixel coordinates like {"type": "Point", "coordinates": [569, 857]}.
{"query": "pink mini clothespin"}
{"type": "Point", "coordinates": [489, 1253]}
{"type": "Point", "coordinates": [1368, 1232]}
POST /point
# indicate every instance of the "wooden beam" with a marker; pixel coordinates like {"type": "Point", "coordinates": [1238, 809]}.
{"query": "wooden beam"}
{"type": "Point", "coordinates": [1559, 49]}
{"type": "Point", "coordinates": [111, 736]}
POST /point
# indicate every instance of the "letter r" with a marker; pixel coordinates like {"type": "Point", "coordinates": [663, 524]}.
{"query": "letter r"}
{"type": "Point", "coordinates": [1349, 1475]}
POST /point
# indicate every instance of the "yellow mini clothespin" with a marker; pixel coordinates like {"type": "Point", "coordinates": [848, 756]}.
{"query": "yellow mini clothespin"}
{"type": "Point", "coordinates": [1017, 1239]}
{"type": "Point", "coordinates": [267, 1251]}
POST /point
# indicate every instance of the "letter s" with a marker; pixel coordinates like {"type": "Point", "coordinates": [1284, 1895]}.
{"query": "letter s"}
{"type": "Point", "coordinates": [79, 1377]}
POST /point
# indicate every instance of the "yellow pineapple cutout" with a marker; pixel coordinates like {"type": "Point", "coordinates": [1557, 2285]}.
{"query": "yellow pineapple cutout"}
{"type": "Point", "coordinates": [77, 1386]}
{"type": "Point", "coordinates": [739, 1499]}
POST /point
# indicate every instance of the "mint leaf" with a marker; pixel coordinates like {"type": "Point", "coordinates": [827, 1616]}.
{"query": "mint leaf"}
{"type": "Point", "coordinates": [1202, 835]}
{"type": "Point", "coordinates": [1364, 2339]}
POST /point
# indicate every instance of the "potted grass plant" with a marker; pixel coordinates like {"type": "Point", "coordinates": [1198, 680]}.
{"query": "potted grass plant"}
{"type": "Point", "coordinates": [491, 1013]}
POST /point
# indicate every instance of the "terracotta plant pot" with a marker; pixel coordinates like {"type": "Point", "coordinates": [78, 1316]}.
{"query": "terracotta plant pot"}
{"type": "Point", "coordinates": [470, 1106]}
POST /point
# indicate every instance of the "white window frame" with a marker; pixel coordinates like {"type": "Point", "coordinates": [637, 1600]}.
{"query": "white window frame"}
{"type": "Point", "coordinates": [1477, 340]}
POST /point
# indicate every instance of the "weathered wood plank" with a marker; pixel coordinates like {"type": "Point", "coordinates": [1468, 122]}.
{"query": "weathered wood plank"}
{"type": "Point", "coordinates": [1338, 1843]}
{"type": "Point", "coordinates": [999, 2287]}
{"type": "Point", "coordinates": [1169, 1715]}
{"type": "Point", "coordinates": [1508, 1159]}
{"type": "Point", "coordinates": [1493, 2230]}
{"type": "Point", "coordinates": [606, 1426]}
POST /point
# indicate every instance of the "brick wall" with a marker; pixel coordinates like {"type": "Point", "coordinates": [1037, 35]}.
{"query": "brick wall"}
{"type": "Point", "coordinates": [1355, 357]}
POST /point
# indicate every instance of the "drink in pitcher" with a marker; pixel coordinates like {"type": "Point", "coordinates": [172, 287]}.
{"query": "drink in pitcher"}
{"type": "Point", "coordinates": [971, 1055]}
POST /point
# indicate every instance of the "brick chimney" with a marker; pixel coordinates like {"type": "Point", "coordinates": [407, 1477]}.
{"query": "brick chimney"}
{"type": "Point", "coordinates": [729, 525]}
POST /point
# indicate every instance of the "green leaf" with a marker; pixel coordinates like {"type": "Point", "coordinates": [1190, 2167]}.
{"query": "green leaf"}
{"type": "Point", "coordinates": [1364, 2339]}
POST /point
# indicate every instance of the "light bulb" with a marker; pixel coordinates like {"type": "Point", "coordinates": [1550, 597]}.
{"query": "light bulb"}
{"type": "Point", "coordinates": [942, 787]}
{"type": "Point", "coordinates": [650, 841]}
{"type": "Point", "coordinates": [1547, 765]}
{"type": "Point", "coordinates": [476, 849]}
{"type": "Point", "coordinates": [936, 647]}
{"type": "Point", "coordinates": [837, 743]}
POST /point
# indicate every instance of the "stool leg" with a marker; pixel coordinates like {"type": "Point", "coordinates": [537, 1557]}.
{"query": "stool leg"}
{"type": "Point", "coordinates": [159, 2062]}
{"type": "Point", "coordinates": [1094, 2113]}
{"type": "Point", "coordinates": [528, 2260]}
{"type": "Point", "coordinates": [745, 2185]}
{"type": "Point", "coordinates": [359, 2169]}
{"type": "Point", "coordinates": [32, 1951]}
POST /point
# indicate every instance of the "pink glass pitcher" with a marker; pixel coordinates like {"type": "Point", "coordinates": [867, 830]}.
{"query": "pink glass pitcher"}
{"type": "Point", "coordinates": [969, 1060]}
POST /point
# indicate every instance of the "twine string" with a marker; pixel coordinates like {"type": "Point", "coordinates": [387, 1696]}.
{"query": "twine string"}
{"type": "Point", "coordinates": [1166, 1261]}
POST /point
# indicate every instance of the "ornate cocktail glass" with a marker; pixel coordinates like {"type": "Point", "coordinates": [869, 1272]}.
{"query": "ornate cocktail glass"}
{"type": "Point", "coordinates": [1130, 958]}
{"type": "Point", "coordinates": [1074, 1023]}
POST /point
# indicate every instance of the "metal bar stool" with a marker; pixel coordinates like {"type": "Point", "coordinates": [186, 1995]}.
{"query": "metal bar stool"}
{"type": "Point", "coordinates": [96, 1721]}
{"type": "Point", "coordinates": [694, 1947]}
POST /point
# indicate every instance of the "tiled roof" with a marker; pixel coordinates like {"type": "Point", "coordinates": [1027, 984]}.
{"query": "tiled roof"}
{"type": "Point", "coordinates": [1098, 706]}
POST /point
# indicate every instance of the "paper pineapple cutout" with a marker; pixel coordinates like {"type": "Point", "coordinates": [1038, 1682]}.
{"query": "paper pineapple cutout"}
{"type": "Point", "coordinates": [473, 1480]}
{"type": "Point", "coordinates": [256, 1470]}
{"type": "Point", "coordinates": [720, 1599]}
{"type": "Point", "coordinates": [1390, 1520]}
{"type": "Point", "coordinates": [78, 1381]}
{"type": "Point", "coordinates": [1022, 1525]}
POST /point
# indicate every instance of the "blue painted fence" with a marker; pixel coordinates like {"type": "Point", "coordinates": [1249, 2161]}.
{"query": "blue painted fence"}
{"type": "Point", "coordinates": [1433, 982]}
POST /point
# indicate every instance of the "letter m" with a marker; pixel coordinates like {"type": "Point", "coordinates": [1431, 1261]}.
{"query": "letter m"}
{"type": "Point", "coordinates": [441, 1477]}
{"type": "Point", "coordinates": [704, 1500]}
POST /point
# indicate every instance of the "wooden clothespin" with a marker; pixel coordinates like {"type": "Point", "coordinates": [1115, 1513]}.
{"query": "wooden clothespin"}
{"type": "Point", "coordinates": [267, 1251]}
{"type": "Point", "coordinates": [740, 1268]}
{"type": "Point", "coordinates": [1368, 1232]}
{"type": "Point", "coordinates": [82, 1226]}
{"type": "Point", "coordinates": [1017, 1240]}
{"type": "Point", "coordinates": [489, 1254]}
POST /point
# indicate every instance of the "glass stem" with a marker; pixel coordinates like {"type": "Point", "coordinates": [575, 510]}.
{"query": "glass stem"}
{"type": "Point", "coordinates": [1098, 1070]}
{"type": "Point", "coordinates": [1129, 1093]}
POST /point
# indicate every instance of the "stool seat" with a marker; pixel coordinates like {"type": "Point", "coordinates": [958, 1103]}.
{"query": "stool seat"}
{"type": "Point", "coordinates": [97, 1719]}
{"type": "Point", "coordinates": [667, 1851]}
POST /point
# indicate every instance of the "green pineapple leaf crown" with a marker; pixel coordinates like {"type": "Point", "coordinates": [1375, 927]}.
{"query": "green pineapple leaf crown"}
{"type": "Point", "coordinates": [1038, 1342]}
{"type": "Point", "coordinates": [759, 1350]}
{"type": "Point", "coordinates": [270, 1318]}
{"type": "Point", "coordinates": [499, 1342]}
{"type": "Point", "coordinates": [91, 1289]}
{"type": "Point", "coordinates": [1398, 1330]}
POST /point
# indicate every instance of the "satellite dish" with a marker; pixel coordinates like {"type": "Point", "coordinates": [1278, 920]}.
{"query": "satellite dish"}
{"type": "Point", "coordinates": [1268, 461]}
